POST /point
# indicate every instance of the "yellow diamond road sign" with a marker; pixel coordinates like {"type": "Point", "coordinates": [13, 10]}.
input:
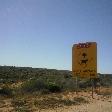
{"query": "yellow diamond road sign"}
{"type": "Point", "coordinates": [84, 60]}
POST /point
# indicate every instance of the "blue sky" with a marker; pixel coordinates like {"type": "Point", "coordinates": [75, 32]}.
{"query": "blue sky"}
{"type": "Point", "coordinates": [40, 33]}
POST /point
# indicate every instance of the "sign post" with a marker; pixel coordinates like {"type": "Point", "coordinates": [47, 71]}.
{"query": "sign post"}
{"type": "Point", "coordinates": [92, 85]}
{"type": "Point", "coordinates": [77, 85]}
{"type": "Point", "coordinates": [84, 60]}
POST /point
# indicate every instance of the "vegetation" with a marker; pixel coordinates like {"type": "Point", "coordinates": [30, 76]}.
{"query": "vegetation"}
{"type": "Point", "coordinates": [44, 80]}
{"type": "Point", "coordinates": [45, 88]}
{"type": "Point", "coordinates": [37, 79]}
{"type": "Point", "coordinates": [52, 87]}
{"type": "Point", "coordinates": [20, 105]}
{"type": "Point", "coordinates": [5, 90]}
{"type": "Point", "coordinates": [54, 102]}
{"type": "Point", "coordinates": [33, 85]}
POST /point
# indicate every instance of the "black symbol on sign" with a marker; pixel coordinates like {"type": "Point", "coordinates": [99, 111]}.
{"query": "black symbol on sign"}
{"type": "Point", "coordinates": [84, 55]}
{"type": "Point", "coordinates": [84, 61]}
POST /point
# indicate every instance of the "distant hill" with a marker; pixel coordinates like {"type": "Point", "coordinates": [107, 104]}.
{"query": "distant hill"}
{"type": "Point", "coordinates": [105, 79]}
{"type": "Point", "coordinates": [24, 73]}
{"type": "Point", "coordinates": [13, 74]}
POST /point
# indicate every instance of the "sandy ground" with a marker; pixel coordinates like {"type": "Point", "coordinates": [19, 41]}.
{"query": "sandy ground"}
{"type": "Point", "coordinates": [98, 104]}
{"type": "Point", "coordinates": [5, 105]}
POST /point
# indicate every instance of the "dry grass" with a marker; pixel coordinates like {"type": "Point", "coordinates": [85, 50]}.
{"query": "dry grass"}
{"type": "Point", "coordinates": [104, 91]}
{"type": "Point", "coordinates": [55, 103]}
{"type": "Point", "coordinates": [36, 101]}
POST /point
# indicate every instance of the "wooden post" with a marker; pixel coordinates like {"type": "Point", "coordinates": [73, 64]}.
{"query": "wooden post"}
{"type": "Point", "coordinates": [77, 84]}
{"type": "Point", "coordinates": [92, 86]}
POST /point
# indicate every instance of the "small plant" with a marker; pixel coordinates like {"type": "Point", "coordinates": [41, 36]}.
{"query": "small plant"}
{"type": "Point", "coordinates": [80, 100]}
{"type": "Point", "coordinates": [33, 85]}
{"type": "Point", "coordinates": [6, 91]}
{"type": "Point", "coordinates": [68, 102]}
{"type": "Point", "coordinates": [48, 103]}
{"type": "Point", "coordinates": [53, 102]}
{"type": "Point", "coordinates": [22, 109]}
{"type": "Point", "coordinates": [44, 91]}
{"type": "Point", "coordinates": [20, 105]}
{"type": "Point", "coordinates": [19, 102]}
{"type": "Point", "coordinates": [52, 87]}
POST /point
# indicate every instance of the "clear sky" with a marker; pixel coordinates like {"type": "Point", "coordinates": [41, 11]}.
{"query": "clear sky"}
{"type": "Point", "coordinates": [40, 33]}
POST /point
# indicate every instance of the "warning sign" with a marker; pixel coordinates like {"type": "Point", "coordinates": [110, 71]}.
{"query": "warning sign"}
{"type": "Point", "coordinates": [84, 60]}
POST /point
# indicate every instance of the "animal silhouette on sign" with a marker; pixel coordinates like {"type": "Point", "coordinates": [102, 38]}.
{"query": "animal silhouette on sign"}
{"type": "Point", "coordinates": [84, 60]}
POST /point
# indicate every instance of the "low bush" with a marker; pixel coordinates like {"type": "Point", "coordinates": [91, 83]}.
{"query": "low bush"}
{"type": "Point", "coordinates": [52, 87]}
{"type": "Point", "coordinates": [6, 91]}
{"type": "Point", "coordinates": [33, 85]}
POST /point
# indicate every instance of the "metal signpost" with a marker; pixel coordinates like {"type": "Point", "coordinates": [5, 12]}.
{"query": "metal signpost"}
{"type": "Point", "coordinates": [84, 61]}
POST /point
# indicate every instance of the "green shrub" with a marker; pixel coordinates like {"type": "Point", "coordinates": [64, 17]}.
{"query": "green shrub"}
{"type": "Point", "coordinates": [52, 87]}
{"type": "Point", "coordinates": [6, 91]}
{"type": "Point", "coordinates": [33, 85]}
{"type": "Point", "coordinates": [68, 84]}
